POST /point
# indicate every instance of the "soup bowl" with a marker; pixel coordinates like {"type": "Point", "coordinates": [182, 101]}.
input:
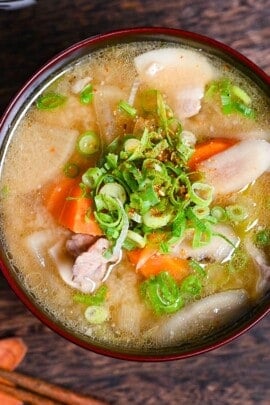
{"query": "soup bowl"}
{"type": "Point", "coordinates": [10, 121]}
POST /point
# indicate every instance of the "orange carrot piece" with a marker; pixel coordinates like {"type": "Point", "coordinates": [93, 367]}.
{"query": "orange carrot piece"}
{"type": "Point", "coordinates": [207, 149]}
{"type": "Point", "coordinates": [71, 213]}
{"type": "Point", "coordinates": [56, 194]}
{"type": "Point", "coordinates": [178, 268]}
{"type": "Point", "coordinates": [139, 256]}
{"type": "Point", "coordinates": [12, 352]}
{"type": "Point", "coordinates": [6, 399]}
{"type": "Point", "coordinates": [75, 214]}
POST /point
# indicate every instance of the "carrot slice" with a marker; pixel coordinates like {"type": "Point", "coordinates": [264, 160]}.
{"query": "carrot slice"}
{"type": "Point", "coordinates": [56, 194]}
{"type": "Point", "coordinates": [207, 149]}
{"type": "Point", "coordinates": [178, 268]}
{"type": "Point", "coordinates": [12, 352]}
{"type": "Point", "coordinates": [75, 214]}
{"type": "Point", "coordinates": [139, 256]}
{"type": "Point", "coordinates": [71, 213]}
{"type": "Point", "coordinates": [6, 399]}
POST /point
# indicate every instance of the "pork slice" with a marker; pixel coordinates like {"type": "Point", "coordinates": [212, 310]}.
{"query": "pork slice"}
{"type": "Point", "coordinates": [218, 249]}
{"type": "Point", "coordinates": [238, 166]}
{"type": "Point", "coordinates": [79, 243]}
{"type": "Point", "coordinates": [262, 263]}
{"type": "Point", "coordinates": [90, 268]}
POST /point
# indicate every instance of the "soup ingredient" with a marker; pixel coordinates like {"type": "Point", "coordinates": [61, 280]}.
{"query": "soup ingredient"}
{"type": "Point", "coordinates": [86, 95]}
{"type": "Point", "coordinates": [97, 298]}
{"type": "Point", "coordinates": [71, 209]}
{"type": "Point", "coordinates": [71, 170]}
{"type": "Point", "coordinates": [219, 249]}
{"type": "Point", "coordinates": [262, 238]}
{"type": "Point", "coordinates": [215, 310]}
{"type": "Point", "coordinates": [50, 101]}
{"type": "Point", "coordinates": [79, 243]}
{"type": "Point", "coordinates": [240, 165]}
{"type": "Point", "coordinates": [162, 293]}
{"type": "Point", "coordinates": [90, 268]}
{"type": "Point", "coordinates": [232, 97]}
{"type": "Point", "coordinates": [176, 267]}
{"type": "Point", "coordinates": [207, 149]}
{"type": "Point", "coordinates": [96, 314]}
{"type": "Point", "coordinates": [88, 143]}
{"type": "Point", "coordinates": [57, 143]}
{"type": "Point", "coordinates": [180, 74]}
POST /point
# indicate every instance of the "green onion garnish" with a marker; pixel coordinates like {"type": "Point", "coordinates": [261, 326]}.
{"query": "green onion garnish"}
{"type": "Point", "coordinates": [262, 238]}
{"type": "Point", "coordinates": [162, 293]}
{"type": "Point", "coordinates": [86, 95]}
{"type": "Point", "coordinates": [88, 143]}
{"type": "Point", "coordinates": [50, 101]}
{"type": "Point", "coordinates": [71, 170]}
{"type": "Point", "coordinates": [127, 108]}
{"type": "Point", "coordinates": [236, 213]}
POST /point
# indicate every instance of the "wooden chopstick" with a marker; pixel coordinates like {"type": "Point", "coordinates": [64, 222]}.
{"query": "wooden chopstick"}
{"type": "Point", "coordinates": [38, 390]}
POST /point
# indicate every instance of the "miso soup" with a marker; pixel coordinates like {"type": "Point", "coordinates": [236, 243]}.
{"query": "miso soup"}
{"type": "Point", "coordinates": [135, 195]}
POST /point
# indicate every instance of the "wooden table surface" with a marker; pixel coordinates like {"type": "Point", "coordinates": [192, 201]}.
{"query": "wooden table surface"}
{"type": "Point", "coordinates": [237, 373]}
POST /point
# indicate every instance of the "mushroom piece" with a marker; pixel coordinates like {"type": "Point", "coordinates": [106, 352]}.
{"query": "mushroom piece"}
{"type": "Point", "coordinates": [180, 74]}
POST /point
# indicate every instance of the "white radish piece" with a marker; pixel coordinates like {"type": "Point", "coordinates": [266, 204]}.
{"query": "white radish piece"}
{"type": "Point", "coordinates": [217, 250]}
{"type": "Point", "coordinates": [105, 103]}
{"type": "Point", "coordinates": [180, 74]}
{"type": "Point", "coordinates": [236, 167]}
{"type": "Point", "coordinates": [200, 317]}
{"type": "Point", "coordinates": [57, 144]}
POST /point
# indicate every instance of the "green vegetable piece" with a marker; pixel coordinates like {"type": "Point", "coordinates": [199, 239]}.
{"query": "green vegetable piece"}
{"type": "Point", "coordinates": [97, 298]}
{"type": "Point", "coordinates": [219, 213]}
{"type": "Point", "coordinates": [162, 293]}
{"type": "Point", "coordinates": [96, 314]}
{"type": "Point", "coordinates": [148, 100]}
{"type": "Point", "coordinates": [50, 101]}
{"type": "Point", "coordinates": [114, 190]}
{"type": "Point", "coordinates": [71, 170]}
{"type": "Point", "coordinates": [92, 176]}
{"type": "Point", "coordinates": [88, 143]}
{"type": "Point", "coordinates": [127, 108]}
{"type": "Point", "coordinates": [191, 286]}
{"type": "Point", "coordinates": [156, 219]}
{"type": "Point", "coordinates": [236, 213]}
{"type": "Point", "coordinates": [262, 238]}
{"type": "Point", "coordinates": [86, 95]}
{"type": "Point", "coordinates": [201, 194]}
{"type": "Point", "coordinates": [241, 94]}
{"type": "Point", "coordinates": [136, 239]}
{"type": "Point", "coordinates": [4, 192]}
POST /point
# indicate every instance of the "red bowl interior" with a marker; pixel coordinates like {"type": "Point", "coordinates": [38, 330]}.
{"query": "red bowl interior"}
{"type": "Point", "coordinates": [18, 106]}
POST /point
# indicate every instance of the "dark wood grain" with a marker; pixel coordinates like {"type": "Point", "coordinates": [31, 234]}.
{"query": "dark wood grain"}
{"type": "Point", "coordinates": [237, 373]}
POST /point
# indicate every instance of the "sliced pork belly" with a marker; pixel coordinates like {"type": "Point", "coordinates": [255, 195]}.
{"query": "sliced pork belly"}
{"type": "Point", "coordinates": [200, 317]}
{"type": "Point", "coordinates": [91, 267]}
{"type": "Point", "coordinates": [79, 243]}
{"type": "Point", "coordinates": [263, 264]}
{"type": "Point", "coordinates": [217, 250]}
{"type": "Point", "coordinates": [180, 74]}
{"type": "Point", "coordinates": [238, 166]}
